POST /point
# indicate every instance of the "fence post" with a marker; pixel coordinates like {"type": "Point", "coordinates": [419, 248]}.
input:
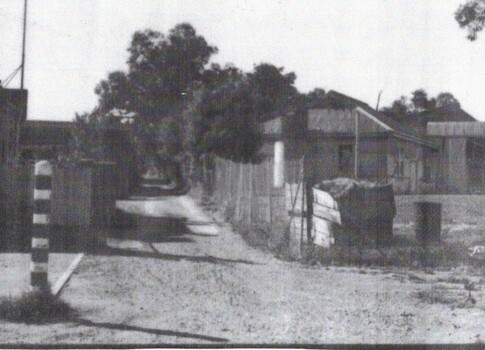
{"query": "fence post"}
{"type": "Point", "coordinates": [270, 185]}
{"type": "Point", "coordinates": [41, 221]}
{"type": "Point", "coordinates": [250, 214]}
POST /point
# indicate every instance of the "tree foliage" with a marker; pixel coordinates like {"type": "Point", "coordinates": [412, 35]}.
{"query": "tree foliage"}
{"type": "Point", "coordinates": [399, 108]}
{"type": "Point", "coordinates": [314, 99]}
{"type": "Point", "coordinates": [164, 74]}
{"type": "Point", "coordinates": [419, 102]}
{"type": "Point", "coordinates": [186, 107]}
{"type": "Point", "coordinates": [161, 72]}
{"type": "Point", "coordinates": [448, 102]}
{"type": "Point", "coordinates": [272, 91]}
{"type": "Point", "coordinates": [235, 104]}
{"type": "Point", "coordinates": [471, 16]}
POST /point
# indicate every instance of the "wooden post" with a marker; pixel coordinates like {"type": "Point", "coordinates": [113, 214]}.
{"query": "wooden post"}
{"type": "Point", "coordinates": [250, 194]}
{"type": "Point", "coordinates": [303, 212]}
{"type": "Point", "coordinates": [239, 191]}
{"type": "Point", "coordinates": [279, 164]}
{"type": "Point", "coordinates": [356, 165]}
{"type": "Point", "coordinates": [268, 175]}
{"type": "Point", "coordinates": [41, 220]}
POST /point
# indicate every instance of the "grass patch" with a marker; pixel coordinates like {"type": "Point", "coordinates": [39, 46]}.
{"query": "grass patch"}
{"type": "Point", "coordinates": [453, 297]}
{"type": "Point", "coordinates": [274, 239]}
{"type": "Point", "coordinates": [35, 307]}
{"type": "Point", "coordinates": [438, 294]}
{"type": "Point", "coordinates": [453, 280]}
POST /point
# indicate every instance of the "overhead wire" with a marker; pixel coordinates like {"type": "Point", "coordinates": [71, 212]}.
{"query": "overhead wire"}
{"type": "Point", "coordinates": [65, 36]}
{"type": "Point", "coordinates": [10, 77]}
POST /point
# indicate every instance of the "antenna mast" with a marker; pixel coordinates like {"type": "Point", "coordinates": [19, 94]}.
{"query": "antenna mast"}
{"type": "Point", "coordinates": [23, 46]}
{"type": "Point", "coordinates": [378, 100]}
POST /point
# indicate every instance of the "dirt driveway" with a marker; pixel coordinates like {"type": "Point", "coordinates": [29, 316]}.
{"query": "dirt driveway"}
{"type": "Point", "coordinates": [184, 288]}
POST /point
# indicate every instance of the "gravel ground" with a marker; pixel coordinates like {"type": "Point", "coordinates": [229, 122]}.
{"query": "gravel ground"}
{"type": "Point", "coordinates": [191, 289]}
{"type": "Point", "coordinates": [15, 267]}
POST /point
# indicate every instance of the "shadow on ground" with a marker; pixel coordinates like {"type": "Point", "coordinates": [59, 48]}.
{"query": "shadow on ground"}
{"type": "Point", "coordinates": [127, 227]}
{"type": "Point", "coordinates": [124, 327]}
{"type": "Point", "coordinates": [75, 239]}
{"type": "Point", "coordinates": [155, 254]}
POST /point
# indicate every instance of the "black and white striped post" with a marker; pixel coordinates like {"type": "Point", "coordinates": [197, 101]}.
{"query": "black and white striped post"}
{"type": "Point", "coordinates": [41, 220]}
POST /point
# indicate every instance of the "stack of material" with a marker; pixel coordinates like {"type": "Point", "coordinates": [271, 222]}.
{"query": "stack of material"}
{"type": "Point", "coordinates": [366, 210]}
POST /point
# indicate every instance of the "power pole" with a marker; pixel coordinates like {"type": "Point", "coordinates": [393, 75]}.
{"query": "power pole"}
{"type": "Point", "coordinates": [23, 46]}
{"type": "Point", "coordinates": [378, 100]}
{"type": "Point", "coordinates": [356, 164]}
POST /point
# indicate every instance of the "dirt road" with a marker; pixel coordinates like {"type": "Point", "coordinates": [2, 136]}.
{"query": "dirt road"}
{"type": "Point", "coordinates": [186, 288]}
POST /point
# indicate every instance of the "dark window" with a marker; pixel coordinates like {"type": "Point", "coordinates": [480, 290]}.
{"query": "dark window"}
{"type": "Point", "coordinates": [426, 173]}
{"type": "Point", "coordinates": [345, 155]}
{"type": "Point", "coordinates": [400, 164]}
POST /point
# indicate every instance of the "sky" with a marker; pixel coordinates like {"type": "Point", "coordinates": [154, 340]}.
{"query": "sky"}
{"type": "Point", "coordinates": [356, 47]}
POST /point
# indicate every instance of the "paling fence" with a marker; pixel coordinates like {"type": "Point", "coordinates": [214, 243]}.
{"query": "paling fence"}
{"type": "Point", "coordinates": [247, 194]}
{"type": "Point", "coordinates": [83, 201]}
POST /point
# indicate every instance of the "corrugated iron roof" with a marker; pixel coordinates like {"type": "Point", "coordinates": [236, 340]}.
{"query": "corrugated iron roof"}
{"type": "Point", "coordinates": [409, 130]}
{"type": "Point", "coordinates": [450, 129]}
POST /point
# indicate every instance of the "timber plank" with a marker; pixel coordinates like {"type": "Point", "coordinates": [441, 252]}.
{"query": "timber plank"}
{"type": "Point", "coordinates": [326, 213]}
{"type": "Point", "coordinates": [324, 198]}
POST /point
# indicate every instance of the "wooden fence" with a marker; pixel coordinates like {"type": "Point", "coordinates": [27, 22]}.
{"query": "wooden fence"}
{"type": "Point", "coordinates": [83, 196]}
{"type": "Point", "coordinates": [247, 193]}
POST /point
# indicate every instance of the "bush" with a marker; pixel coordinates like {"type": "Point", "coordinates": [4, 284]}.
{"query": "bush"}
{"type": "Point", "coordinates": [35, 307]}
{"type": "Point", "coordinates": [438, 295]}
{"type": "Point", "coordinates": [262, 236]}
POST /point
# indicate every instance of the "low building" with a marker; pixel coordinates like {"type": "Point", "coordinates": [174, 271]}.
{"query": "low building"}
{"type": "Point", "coordinates": [462, 161]}
{"type": "Point", "coordinates": [345, 137]}
{"type": "Point", "coordinates": [13, 113]}
{"type": "Point", "coordinates": [43, 139]}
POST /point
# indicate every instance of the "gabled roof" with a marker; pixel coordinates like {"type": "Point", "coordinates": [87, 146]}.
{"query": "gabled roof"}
{"type": "Point", "coordinates": [337, 101]}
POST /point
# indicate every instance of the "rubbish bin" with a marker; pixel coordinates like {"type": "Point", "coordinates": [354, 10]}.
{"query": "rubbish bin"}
{"type": "Point", "coordinates": [428, 221]}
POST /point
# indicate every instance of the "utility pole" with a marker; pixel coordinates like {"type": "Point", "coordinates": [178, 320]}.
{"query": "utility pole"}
{"type": "Point", "coordinates": [378, 100]}
{"type": "Point", "coordinates": [23, 46]}
{"type": "Point", "coordinates": [356, 165]}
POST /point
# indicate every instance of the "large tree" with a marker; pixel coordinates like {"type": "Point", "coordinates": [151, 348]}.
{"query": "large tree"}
{"type": "Point", "coordinates": [235, 104]}
{"type": "Point", "coordinates": [161, 72]}
{"type": "Point", "coordinates": [471, 15]}
{"type": "Point", "coordinates": [273, 91]}
{"type": "Point", "coordinates": [188, 108]}
{"type": "Point", "coordinates": [164, 74]}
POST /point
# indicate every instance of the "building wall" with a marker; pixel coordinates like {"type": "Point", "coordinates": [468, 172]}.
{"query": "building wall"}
{"type": "Point", "coordinates": [373, 159]}
{"type": "Point", "coordinates": [412, 168]}
{"type": "Point", "coordinates": [334, 156]}
{"type": "Point", "coordinates": [476, 166]}
{"type": "Point", "coordinates": [13, 111]}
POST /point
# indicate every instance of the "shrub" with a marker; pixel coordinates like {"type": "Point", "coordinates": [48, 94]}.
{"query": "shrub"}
{"type": "Point", "coordinates": [35, 307]}
{"type": "Point", "coordinates": [438, 295]}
